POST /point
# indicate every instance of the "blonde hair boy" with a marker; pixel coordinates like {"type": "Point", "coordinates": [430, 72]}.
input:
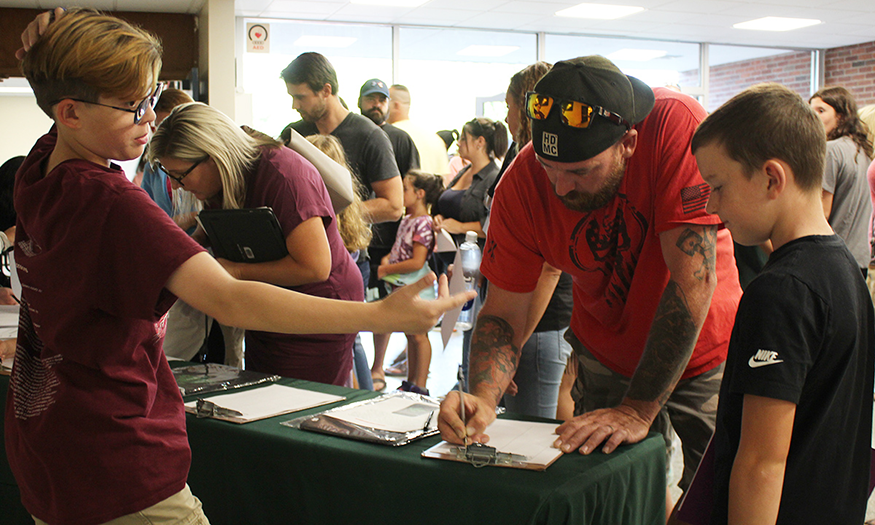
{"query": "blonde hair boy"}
{"type": "Point", "coordinates": [100, 264]}
{"type": "Point", "coordinates": [792, 440]}
{"type": "Point", "coordinates": [87, 55]}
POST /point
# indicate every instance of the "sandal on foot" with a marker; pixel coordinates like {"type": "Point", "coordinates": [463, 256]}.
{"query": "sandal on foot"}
{"type": "Point", "coordinates": [399, 369]}
{"type": "Point", "coordinates": [379, 384]}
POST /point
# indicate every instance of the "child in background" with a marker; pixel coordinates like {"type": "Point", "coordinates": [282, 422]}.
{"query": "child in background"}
{"type": "Point", "coordinates": [356, 234]}
{"type": "Point", "coordinates": [408, 262]}
{"type": "Point", "coordinates": [794, 422]}
{"type": "Point", "coordinates": [354, 230]}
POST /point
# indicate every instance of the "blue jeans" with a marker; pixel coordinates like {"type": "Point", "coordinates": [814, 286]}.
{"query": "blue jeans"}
{"type": "Point", "coordinates": [538, 375]}
{"type": "Point", "coordinates": [359, 360]}
{"type": "Point", "coordinates": [466, 340]}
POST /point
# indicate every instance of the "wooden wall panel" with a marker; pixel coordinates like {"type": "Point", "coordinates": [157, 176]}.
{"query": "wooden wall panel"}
{"type": "Point", "coordinates": [178, 34]}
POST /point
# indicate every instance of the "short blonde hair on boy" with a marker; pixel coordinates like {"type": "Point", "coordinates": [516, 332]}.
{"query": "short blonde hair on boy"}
{"type": "Point", "coordinates": [768, 121]}
{"type": "Point", "coordinates": [86, 55]}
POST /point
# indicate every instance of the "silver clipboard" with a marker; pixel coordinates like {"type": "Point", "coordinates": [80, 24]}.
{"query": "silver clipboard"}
{"type": "Point", "coordinates": [324, 423]}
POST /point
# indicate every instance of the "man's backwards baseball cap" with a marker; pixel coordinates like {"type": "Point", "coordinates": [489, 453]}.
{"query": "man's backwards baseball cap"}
{"type": "Point", "coordinates": [374, 85]}
{"type": "Point", "coordinates": [583, 106]}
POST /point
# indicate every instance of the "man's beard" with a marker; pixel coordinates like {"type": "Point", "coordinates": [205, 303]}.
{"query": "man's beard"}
{"type": "Point", "coordinates": [377, 115]}
{"type": "Point", "coordinates": [314, 114]}
{"type": "Point", "coordinates": [587, 202]}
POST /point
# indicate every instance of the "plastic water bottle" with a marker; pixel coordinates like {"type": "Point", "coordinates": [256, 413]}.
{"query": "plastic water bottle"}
{"type": "Point", "coordinates": [470, 251]}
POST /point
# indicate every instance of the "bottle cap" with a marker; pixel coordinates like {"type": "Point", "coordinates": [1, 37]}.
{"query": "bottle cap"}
{"type": "Point", "coordinates": [471, 237]}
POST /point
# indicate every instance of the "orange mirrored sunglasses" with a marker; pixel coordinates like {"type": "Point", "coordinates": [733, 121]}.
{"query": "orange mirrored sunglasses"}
{"type": "Point", "coordinates": [573, 113]}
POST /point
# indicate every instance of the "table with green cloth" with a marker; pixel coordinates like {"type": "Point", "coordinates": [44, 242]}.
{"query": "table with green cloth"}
{"type": "Point", "coordinates": [265, 473]}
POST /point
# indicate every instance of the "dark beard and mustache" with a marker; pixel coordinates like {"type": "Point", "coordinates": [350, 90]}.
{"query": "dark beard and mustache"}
{"type": "Point", "coordinates": [376, 115]}
{"type": "Point", "coordinates": [587, 202]}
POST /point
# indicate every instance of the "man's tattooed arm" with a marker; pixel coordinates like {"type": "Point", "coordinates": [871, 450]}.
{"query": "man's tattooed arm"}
{"type": "Point", "coordinates": [494, 358]}
{"type": "Point", "coordinates": [679, 317]}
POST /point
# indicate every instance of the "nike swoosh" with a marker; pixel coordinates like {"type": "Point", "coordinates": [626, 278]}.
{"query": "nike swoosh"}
{"type": "Point", "coordinates": [756, 364]}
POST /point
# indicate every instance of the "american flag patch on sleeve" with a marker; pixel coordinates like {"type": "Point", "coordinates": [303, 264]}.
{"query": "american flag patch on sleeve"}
{"type": "Point", "coordinates": [694, 198]}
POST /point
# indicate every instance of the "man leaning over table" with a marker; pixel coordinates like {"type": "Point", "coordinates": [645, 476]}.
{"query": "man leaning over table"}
{"type": "Point", "coordinates": [609, 192]}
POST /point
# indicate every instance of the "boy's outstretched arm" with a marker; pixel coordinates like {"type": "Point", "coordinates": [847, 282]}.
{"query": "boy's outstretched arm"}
{"type": "Point", "coordinates": [758, 471]}
{"type": "Point", "coordinates": [204, 284]}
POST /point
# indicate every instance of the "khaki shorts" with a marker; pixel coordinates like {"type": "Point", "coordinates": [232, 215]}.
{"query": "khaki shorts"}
{"type": "Point", "coordinates": [180, 509]}
{"type": "Point", "coordinates": [690, 411]}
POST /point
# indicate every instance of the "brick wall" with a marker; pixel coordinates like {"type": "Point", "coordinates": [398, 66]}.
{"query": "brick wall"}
{"type": "Point", "coordinates": [854, 68]}
{"type": "Point", "coordinates": [851, 66]}
{"type": "Point", "coordinates": [792, 69]}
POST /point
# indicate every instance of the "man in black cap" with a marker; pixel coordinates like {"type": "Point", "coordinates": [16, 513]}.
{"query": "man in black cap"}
{"type": "Point", "coordinates": [609, 192]}
{"type": "Point", "coordinates": [374, 103]}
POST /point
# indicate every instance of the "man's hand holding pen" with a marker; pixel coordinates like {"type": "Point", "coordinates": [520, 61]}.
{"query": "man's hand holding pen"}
{"type": "Point", "coordinates": [479, 414]}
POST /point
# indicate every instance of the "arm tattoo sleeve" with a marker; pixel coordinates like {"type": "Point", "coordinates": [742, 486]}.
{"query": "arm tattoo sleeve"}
{"type": "Point", "coordinates": [702, 245]}
{"type": "Point", "coordinates": [676, 324]}
{"type": "Point", "coordinates": [493, 359]}
{"type": "Point", "coordinates": [669, 346]}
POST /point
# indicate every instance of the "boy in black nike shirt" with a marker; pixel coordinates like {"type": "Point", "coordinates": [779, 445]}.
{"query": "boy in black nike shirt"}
{"type": "Point", "coordinates": [794, 423]}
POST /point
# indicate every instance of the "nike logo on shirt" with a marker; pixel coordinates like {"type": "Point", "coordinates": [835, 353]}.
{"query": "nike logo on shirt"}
{"type": "Point", "coordinates": [763, 358]}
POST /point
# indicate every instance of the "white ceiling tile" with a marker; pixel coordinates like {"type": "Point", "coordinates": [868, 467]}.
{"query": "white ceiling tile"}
{"type": "Point", "coordinates": [252, 6]}
{"type": "Point", "coordinates": [495, 20]}
{"type": "Point", "coordinates": [698, 6]}
{"type": "Point", "coordinates": [867, 19]}
{"type": "Point", "coordinates": [431, 16]}
{"type": "Point", "coordinates": [287, 6]}
{"type": "Point", "coordinates": [854, 5]}
{"type": "Point", "coordinates": [666, 17]}
{"type": "Point", "coordinates": [845, 21]}
{"type": "Point", "coordinates": [292, 15]}
{"type": "Point", "coordinates": [535, 8]}
{"type": "Point", "coordinates": [482, 5]}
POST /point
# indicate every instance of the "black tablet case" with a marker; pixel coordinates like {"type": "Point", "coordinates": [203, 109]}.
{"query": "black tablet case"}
{"type": "Point", "coordinates": [249, 235]}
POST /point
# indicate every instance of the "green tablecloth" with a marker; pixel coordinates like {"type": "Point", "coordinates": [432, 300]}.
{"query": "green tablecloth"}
{"type": "Point", "coordinates": [264, 473]}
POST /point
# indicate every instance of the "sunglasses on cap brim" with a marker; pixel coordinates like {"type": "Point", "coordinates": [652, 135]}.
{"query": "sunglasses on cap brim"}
{"type": "Point", "coordinates": [572, 113]}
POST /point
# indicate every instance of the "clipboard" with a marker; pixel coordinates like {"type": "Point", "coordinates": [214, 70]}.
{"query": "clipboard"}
{"type": "Point", "coordinates": [250, 235]}
{"type": "Point", "coordinates": [524, 445]}
{"type": "Point", "coordinates": [258, 403]}
{"type": "Point", "coordinates": [212, 377]}
{"type": "Point", "coordinates": [351, 421]}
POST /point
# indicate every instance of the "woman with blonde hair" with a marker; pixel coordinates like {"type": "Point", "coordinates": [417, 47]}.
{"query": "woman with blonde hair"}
{"type": "Point", "coordinates": [208, 155]}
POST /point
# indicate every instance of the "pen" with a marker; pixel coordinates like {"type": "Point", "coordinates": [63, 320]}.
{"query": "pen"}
{"type": "Point", "coordinates": [462, 404]}
{"type": "Point", "coordinates": [427, 421]}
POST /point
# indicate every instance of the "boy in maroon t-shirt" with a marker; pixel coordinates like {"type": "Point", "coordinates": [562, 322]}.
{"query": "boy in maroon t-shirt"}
{"type": "Point", "coordinates": [95, 428]}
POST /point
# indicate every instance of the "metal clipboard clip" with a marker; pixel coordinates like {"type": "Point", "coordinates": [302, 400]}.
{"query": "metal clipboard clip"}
{"type": "Point", "coordinates": [207, 408]}
{"type": "Point", "coordinates": [481, 455]}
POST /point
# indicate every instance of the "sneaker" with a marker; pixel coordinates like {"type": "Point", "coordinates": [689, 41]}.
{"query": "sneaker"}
{"type": "Point", "coordinates": [407, 386]}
